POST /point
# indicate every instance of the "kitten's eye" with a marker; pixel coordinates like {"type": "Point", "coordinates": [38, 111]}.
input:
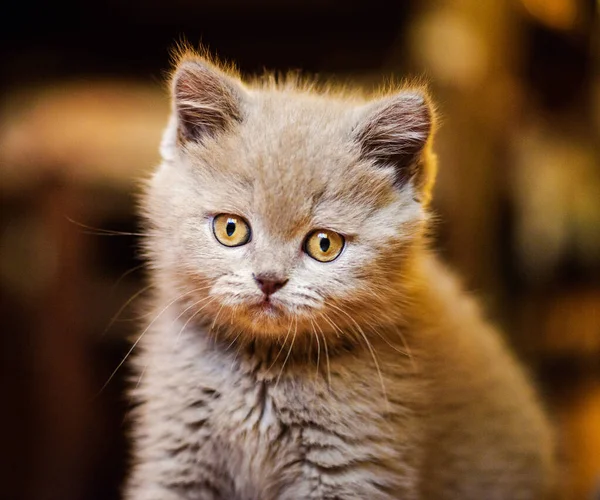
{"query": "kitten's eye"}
{"type": "Point", "coordinates": [231, 230]}
{"type": "Point", "coordinates": [324, 245]}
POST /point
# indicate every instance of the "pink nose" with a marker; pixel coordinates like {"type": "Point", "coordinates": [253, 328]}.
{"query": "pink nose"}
{"type": "Point", "coordinates": [269, 283]}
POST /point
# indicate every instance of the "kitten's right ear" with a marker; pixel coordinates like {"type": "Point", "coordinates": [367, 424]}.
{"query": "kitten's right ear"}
{"type": "Point", "coordinates": [206, 101]}
{"type": "Point", "coordinates": [396, 132]}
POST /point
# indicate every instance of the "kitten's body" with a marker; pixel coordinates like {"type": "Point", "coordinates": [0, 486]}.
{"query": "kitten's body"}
{"type": "Point", "coordinates": [390, 386]}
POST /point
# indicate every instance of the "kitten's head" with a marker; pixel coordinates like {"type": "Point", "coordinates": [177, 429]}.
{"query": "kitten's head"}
{"type": "Point", "coordinates": [279, 208]}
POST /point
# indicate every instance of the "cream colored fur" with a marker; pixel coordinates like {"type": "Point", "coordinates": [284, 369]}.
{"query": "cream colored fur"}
{"type": "Point", "coordinates": [376, 377]}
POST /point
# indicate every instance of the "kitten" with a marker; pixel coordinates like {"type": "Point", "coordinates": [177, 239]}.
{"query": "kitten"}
{"type": "Point", "coordinates": [306, 343]}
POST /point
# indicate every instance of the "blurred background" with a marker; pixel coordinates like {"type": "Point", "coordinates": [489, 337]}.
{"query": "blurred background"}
{"type": "Point", "coordinates": [82, 105]}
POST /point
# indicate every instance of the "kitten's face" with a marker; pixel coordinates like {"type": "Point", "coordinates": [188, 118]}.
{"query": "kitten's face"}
{"type": "Point", "coordinates": [278, 223]}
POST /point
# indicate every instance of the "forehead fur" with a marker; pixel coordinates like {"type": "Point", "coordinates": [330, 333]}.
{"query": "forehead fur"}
{"type": "Point", "coordinates": [292, 158]}
{"type": "Point", "coordinates": [289, 156]}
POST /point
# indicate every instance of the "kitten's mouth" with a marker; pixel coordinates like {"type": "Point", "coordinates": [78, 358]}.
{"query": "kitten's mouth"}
{"type": "Point", "coordinates": [267, 306]}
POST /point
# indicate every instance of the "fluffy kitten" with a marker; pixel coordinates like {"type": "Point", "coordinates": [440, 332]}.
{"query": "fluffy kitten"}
{"type": "Point", "coordinates": [306, 343]}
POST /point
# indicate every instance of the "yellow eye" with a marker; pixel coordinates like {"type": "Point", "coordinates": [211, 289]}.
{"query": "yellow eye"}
{"type": "Point", "coordinates": [324, 245]}
{"type": "Point", "coordinates": [231, 230]}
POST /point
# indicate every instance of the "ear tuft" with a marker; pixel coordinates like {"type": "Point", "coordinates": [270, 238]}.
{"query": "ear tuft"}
{"type": "Point", "coordinates": [394, 132]}
{"type": "Point", "coordinates": [206, 101]}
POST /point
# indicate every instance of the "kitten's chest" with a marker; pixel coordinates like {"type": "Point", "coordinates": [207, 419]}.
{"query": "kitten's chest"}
{"type": "Point", "coordinates": [259, 421]}
{"type": "Point", "coordinates": [285, 435]}
{"type": "Point", "coordinates": [254, 424]}
{"type": "Point", "coordinates": [248, 413]}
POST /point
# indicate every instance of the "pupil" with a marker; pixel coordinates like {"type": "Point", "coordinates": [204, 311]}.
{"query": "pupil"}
{"type": "Point", "coordinates": [230, 228]}
{"type": "Point", "coordinates": [324, 244]}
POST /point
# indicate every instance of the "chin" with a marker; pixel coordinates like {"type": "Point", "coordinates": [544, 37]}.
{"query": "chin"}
{"type": "Point", "coordinates": [266, 319]}
{"type": "Point", "coordinates": [270, 321]}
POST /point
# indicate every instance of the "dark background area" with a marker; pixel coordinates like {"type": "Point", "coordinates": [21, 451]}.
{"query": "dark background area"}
{"type": "Point", "coordinates": [66, 39]}
{"type": "Point", "coordinates": [82, 106]}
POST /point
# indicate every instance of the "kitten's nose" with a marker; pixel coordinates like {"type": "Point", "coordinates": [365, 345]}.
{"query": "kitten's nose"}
{"type": "Point", "coordinates": [269, 283]}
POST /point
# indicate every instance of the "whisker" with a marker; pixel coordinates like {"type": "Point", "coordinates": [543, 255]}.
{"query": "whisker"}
{"type": "Point", "coordinates": [282, 345]}
{"type": "Point", "coordinates": [193, 303]}
{"type": "Point", "coordinates": [150, 312]}
{"type": "Point", "coordinates": [195, 313]}
{"type": "Point", "coordinates": [406, 352]}
{"type": "Point", "coordinates": [336, 328]}
{"type": "Point", "coordinates": [140, 338]}
{"type": "Point", "coordinates": [127, 273]}
{"type": "Point", "coordinates": [289, 351]}
{"type": "Point", "coordinates": [233, 341]}
{"type": "Point", "coordinates": [123, 307]}
{"type": "Point", "coordinates": [141, 375]}
{"type": "Point", "coordinates": [102, 232]}
{"type": "Point", "coordinates": [326, 355]}
{"type": "Point", "coordinates": [371, 350]}
{"type": "Point", "coordinates": [314, 331]}
{"type": "Point", "coordinates": [233, 313]}
{"type": "Point", "coordinates": [406, 347]}
{"type": "Point", "coordinates": [400, 351]}
{"type": "Point", "coordinates": [212, 330]}
{"type": "Point", "coordinates": [217, 316]}
{"type": "Point", "coordinates": [373, 293]}
{"type": "Point", "coordinates": [132, 393]}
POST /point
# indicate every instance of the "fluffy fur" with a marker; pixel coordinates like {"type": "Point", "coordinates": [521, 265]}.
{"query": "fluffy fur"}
{"type": "Point", "coordinates": [369, 377]}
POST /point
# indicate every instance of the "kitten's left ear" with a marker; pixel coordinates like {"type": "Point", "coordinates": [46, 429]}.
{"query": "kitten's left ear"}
{"type": "Point", "coordinates": [396, 132]}
{"type": "Point", "coordinates": [207, 101]}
